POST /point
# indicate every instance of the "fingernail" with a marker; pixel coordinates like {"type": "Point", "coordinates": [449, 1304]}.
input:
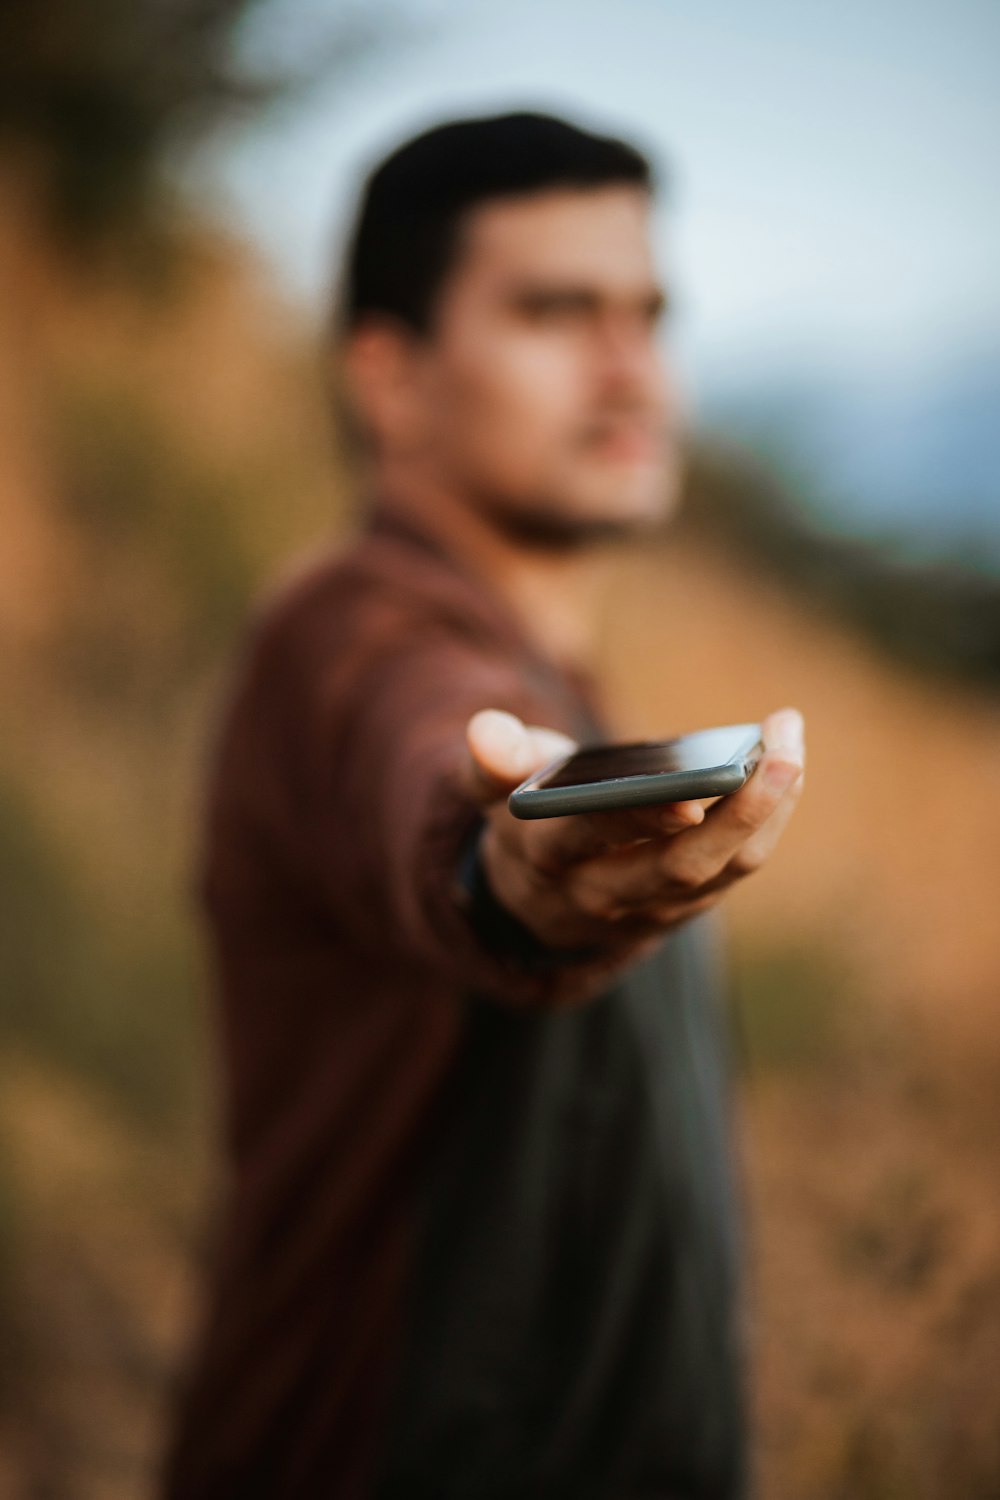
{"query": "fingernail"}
{"type": "Point", "coordinates": [788, 728]}
{"type": "Point", "coordinates": [503, 725]}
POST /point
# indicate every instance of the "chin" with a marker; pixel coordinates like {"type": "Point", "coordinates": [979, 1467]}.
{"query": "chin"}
{"type": "Point", "coordinates": [568, 528]}
{"type": "Point", "coordinates": [638, 503]}
{"type": "Point", "coordinates": [586, 509]}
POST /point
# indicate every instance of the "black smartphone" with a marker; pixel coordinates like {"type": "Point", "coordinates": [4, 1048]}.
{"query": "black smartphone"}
{"type": "Point", "coordinates": [597, 778]}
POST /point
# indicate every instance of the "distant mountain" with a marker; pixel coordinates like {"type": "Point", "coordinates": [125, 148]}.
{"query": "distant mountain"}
{"type": "Point", "coordinates": [914, 460]}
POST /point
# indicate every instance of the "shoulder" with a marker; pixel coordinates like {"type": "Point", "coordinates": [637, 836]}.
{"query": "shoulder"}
{"type": "Point", "coordinates": [329, 623]}
{"type": "Point", "coordinates": [366, 594]}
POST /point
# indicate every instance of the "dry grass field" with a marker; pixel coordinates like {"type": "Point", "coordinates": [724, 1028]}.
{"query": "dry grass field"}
{"type": "Point", "coordinates": [157, 462]}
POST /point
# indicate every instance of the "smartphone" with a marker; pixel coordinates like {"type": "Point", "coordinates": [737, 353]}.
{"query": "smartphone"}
{"type": "Point", "coordinates": [598, 778]}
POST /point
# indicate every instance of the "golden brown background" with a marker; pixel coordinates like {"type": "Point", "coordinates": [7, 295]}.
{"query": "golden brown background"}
{"type": "Point", "coordinates": [165, 450]}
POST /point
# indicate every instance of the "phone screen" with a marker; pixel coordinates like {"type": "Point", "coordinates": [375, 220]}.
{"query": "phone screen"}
{"type": "Point", "coordinates": [692, 752]}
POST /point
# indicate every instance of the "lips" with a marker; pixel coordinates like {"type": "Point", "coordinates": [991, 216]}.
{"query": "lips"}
{"type": "Point", "coordinates": [627, 442]}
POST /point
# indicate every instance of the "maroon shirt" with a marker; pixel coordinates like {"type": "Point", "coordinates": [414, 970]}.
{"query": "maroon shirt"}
{"type": "Point", "coordinates": [476, 1243]}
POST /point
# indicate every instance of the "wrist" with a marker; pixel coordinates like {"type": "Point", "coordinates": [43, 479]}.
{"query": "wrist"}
{"type": "Point", "coordinates": [496, 926]}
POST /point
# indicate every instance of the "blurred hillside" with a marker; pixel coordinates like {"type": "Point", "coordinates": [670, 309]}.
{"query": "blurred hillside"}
{"type": "Point", "coordinates": [157, 459]}
{"type": "Point", "coordinates": [911, 463]}
{"type": "Point", "coordinates": [161, 457]}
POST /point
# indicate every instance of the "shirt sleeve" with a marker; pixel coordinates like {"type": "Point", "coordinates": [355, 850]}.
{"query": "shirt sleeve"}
{"type": "Point", "coordinates": [387, 823]}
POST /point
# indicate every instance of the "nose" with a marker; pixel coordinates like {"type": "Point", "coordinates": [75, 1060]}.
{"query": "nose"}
{"type": "Point", "coordinates": [630, 360]}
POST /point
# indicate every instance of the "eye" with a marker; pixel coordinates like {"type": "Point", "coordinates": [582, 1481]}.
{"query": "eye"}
{"type": "Point", "coordinates": [554, 308]}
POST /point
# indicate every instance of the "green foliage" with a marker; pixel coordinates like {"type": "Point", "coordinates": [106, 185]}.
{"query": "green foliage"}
{"type": "Point", "coordinates": [169, 575]}
{"type": "Point", "coordinates": [113, 1003]}
{"type": "Point", "coordinates": [103, 88]}
{"type": "Point", "coordinates": [942, 618]}
{"type": "Point", "coordinates": [794, 1006]}
{"type": "Point", "coordinates": [98, 971]}
{"type": "Point", "coordinates": [104, 95]}
{"type": "Point", "coordinates": [9, 1332]}
{"type": "Point", "coordinates": [41, 927]}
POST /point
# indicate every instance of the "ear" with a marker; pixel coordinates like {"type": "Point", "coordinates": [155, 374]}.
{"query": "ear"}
{"type": "Point", "coordinates": [379, 363]}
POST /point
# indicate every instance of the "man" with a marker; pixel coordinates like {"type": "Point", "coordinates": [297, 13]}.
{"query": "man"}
{"type": "Point", "coordinates": [481, 1240]}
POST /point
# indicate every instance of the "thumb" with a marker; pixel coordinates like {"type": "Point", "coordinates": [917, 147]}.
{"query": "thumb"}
{"type": "Point", "coordinates": [503, 751]}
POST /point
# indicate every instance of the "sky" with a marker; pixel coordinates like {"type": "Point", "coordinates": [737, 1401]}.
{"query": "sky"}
{"type": "Point", "coordinates": [833, 196]}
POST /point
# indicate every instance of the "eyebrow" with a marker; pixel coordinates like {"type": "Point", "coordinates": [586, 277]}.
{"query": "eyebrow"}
{"type": "Point", "coordinates": [532, 296]}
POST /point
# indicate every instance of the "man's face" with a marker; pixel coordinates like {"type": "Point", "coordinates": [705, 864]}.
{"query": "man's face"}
{"type": "Point", "coordinates": [542, 396]}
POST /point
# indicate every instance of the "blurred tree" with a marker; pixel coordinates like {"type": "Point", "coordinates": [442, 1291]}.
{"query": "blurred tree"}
{"type": "Point", "coordinates": [97, 94]}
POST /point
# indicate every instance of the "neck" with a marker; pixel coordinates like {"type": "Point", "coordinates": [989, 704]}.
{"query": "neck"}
{"type": "Point", "coordinates": [556, 595]}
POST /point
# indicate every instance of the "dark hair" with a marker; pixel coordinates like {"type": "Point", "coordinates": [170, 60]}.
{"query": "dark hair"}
{"type": "Point", "coordinates": [409, 218]}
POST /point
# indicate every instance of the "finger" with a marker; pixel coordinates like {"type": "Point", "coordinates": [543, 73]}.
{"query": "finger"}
{"type": "Point", "coordinates": [548, 743]}
{"type": "Point", "coordinates": [555, 843]}
{"type": "Point", "coordinates": [734, 820]}
{"type": "Point", "coordinates": [502, 751]}
{"type": "Point", "coordinates": [785, 729]}
{"type": "Point", "coordinates": [758, 850]}
{"type": "Point", "coordinates": [594, 834]}
{"type": "Point", "coordinates": [738, 834]}
{"type": "Point", "coordinates": [653, 919]}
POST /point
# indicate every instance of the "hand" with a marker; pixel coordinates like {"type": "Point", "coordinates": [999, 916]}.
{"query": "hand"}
{"type": "Point", "coordinates": [622, 878]}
